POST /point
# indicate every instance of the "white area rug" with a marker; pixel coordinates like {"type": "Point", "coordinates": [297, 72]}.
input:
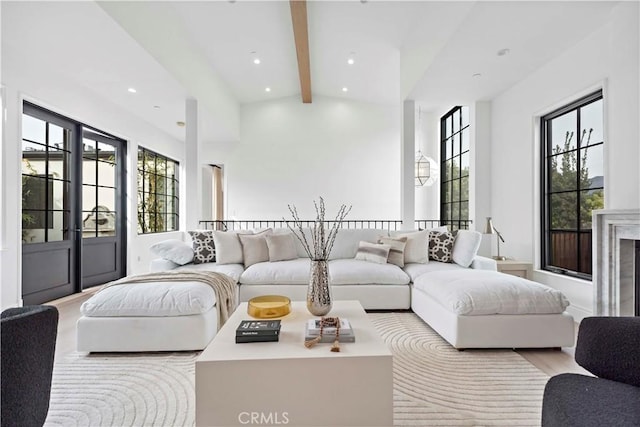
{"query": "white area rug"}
{"type": "Point", "coordinates": [434, 384]}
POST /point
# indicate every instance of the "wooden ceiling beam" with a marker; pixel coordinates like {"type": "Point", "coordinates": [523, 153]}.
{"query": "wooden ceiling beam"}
{"type": "Point", "coordinates": [301, 36]}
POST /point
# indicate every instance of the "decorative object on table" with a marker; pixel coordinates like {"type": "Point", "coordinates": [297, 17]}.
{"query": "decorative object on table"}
{"type": "Point", "coordinates": [258, 331]}
{"type": "Point", "coordinates": [322, 239]}
{"type": "Point", "coordinates": [327, 328]}
{"type": "Point", "coordinates": [269, 306]}
{"type": "Point", "coordinates": [490, 229]}
{"type": "Point", "coordinates": [314, 326]}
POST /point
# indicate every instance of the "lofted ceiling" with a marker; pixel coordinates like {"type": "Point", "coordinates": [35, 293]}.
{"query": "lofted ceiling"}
{"type": "Point", "coordinates": [171, 50]}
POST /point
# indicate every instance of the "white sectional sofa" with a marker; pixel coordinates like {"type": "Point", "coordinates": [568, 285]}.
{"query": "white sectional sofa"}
{"type": "Point", "coordinates": [465, 300]}
{"type": "Point", "coordinates": [376, 286]}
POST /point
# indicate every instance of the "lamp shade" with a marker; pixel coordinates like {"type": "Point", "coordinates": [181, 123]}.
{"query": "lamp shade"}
{"type": "Point", "coordinates": [488, 229]}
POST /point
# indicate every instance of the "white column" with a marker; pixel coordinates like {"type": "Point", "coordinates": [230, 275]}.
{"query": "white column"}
{"type": "Point", "coordinates": [192, 193]}
{"type": "Point", "coordinates": [11, 192]}
{"type": "Point", "coordinates": [481, 175]}
{"type": "Point", "coordinates": [407, 155]}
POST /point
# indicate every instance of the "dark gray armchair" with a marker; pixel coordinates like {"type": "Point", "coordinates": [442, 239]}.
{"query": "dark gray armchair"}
{"type": "Point", "coordinates": [609, 348]}
{"type": "Point", "coordinates": [28, 341]}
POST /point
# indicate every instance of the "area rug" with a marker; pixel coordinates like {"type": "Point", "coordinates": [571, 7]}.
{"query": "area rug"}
{"type": "Point", "coordinates": [434, 384]}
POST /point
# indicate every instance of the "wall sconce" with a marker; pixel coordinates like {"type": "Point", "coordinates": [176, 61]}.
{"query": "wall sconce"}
{"type": "Point", "coordinates": [490, 229]}
{"type": "Point", "coordinates": [426, 170]}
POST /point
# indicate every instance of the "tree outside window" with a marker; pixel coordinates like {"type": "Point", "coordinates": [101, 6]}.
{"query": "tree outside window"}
{"type": "Point", "coordinates": [157, 192]}
{"type": "Point", "coordinates": [573, 183]}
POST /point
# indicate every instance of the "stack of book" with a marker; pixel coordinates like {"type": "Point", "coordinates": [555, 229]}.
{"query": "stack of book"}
{"type": "Point", "coordinates": [312, 330]}
{"type": "Point", "coordinates": [258, 331]}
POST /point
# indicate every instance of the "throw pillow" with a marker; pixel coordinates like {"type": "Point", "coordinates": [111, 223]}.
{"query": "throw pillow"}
{"type": "Point", "coordinates": [440, 246]}
{"type": "Point", "coordinates": [465, 247]}
{"type": "Point", "coordinates": [373, 252]}
{"type": "Point", "coordinates": [173, 250]}
{"type": "Point", "coordinates": [254, 248]}
{"type": "Point", "coordinates": [417, 248]}
{"type": "Point", "coordinates": [204, 249]}
{"type": "Point", "coordinates": [282, 247]}
{"type": "Point", "coordinates": [228, 247]}
{"type": "Point", "coordinates": [396, 254]}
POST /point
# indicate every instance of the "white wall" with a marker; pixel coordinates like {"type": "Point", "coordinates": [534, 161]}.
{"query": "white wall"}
{"type": "Point", "coordinates": [40, 85]}
{"type": "Point", "coordinates": [428, 141]}
{"type": "Point", "coordinates": [292, 153]}
{"type": "Point", "coordinates": [606, 59]}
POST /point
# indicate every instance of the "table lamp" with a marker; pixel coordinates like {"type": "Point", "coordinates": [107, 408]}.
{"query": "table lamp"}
{"type": "Point", "coordinates": [490, 229]}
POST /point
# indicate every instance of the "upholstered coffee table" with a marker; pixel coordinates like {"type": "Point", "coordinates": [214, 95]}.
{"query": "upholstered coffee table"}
{"type": "Point", "coordinates": [279, 383]}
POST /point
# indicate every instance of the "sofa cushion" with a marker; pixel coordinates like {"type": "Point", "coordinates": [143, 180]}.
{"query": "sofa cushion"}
{"type": "Point", "coordinates": [173, 250]}
{"type": "Point", "coordinates": [254, 247]}
{"type": "Point", "coordinates": [417, 248]}
{"type": "Point", "coordinates": [347, 241]}
{"type": "Point", "coordinates": [356, 272]}
{"type": "Point", "coordinates": [415, 270]}
{"type": "Point", "coordinates": [228, 246]}
{"type": "Point", "coordinates": [440, 245]}
{"type": "Point", "coordinates": [282, 247]}
{"type": "Point", "coordinates": [465, 247]}
{"type": "Point", "coordinates": [471, 292]}
{"type": "Point", "coordinates": [204, 249]}
{"type": "Point", "coordinates": [396, 253]}
{"type": "Point", "coordinates": [292, 272]}
{"type": "Point", "coordinates": [373, 252]}
{"type": "Point", "coordinates": [157, 299]}
{"type": "Point", "coordinates": [232, 270]}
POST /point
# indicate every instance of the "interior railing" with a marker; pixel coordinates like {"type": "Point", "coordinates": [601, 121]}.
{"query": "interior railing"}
{"type": "Point", "coordinates": [383, 224]}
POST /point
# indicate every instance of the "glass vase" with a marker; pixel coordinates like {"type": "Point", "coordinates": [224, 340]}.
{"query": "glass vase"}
{"type": "Point", "coordinates": [319, 290]}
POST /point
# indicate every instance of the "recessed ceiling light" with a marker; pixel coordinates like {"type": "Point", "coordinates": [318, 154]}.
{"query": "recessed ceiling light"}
{"type": "Point", "coordinates": [132, 90]}
{"type": "Point", "coordinates": [256, 60]}
{"type": "Point", "coordinates": [267, 89]}
{"type": "Point", "coordinates": [351, 59]}
{"type": "Point", "coordinates": [345, 89]}
{"type": "Point", "coordinates": [503, 52]}
{"type": "Point", "coordinates": [180, 124]}
{"type": "Point", "coordinates": [476, 75]}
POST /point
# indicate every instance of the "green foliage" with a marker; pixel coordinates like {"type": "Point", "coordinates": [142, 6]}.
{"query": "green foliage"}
{"type": "Point", "coordinates": [151, 189]}
{"type": "Point", "coordinates": [564, 176]}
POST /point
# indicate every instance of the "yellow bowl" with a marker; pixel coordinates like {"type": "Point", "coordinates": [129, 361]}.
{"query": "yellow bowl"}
{"type": "Point", "coordinates": [269, 306]}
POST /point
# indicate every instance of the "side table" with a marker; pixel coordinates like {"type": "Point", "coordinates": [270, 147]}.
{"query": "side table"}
{"type": "Point", "coordinates": [516, 268]}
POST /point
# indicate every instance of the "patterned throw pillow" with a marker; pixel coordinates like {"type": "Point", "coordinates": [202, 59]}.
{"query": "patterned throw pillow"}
{"type": "Point", "coordinates": [441, 246]}
{"type": "Point", "coordinates": [203, 248]}
{"type": "Point", "coordinates": [373, 252]}
{"type": "Point", "coordinates": [396, 254]}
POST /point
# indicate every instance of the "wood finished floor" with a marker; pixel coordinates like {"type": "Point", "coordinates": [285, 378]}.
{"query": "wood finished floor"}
{"type": "Point", "coordinates": [551, 362]}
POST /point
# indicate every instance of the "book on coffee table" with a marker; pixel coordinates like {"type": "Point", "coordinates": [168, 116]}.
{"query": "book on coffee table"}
{"type": "Point", "coordinates": [312, 331]}
{"type": "Point", "coordinates": [258, 330]}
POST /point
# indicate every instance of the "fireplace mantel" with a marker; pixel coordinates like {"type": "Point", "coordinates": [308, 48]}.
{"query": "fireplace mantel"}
{"type": "Point", "coordinates": [614, 231]}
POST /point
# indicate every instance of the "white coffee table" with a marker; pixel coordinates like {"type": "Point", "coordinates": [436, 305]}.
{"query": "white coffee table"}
{"type": "Point", "coordinates": [280, 383]}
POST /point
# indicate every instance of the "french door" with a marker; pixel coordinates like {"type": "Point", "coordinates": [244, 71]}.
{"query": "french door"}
{"type": "Point", "coordinates": [73, 234]}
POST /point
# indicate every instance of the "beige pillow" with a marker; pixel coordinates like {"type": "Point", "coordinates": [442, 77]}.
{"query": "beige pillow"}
{"type": "Point", "coordinates": [396, 254]}
{"type": "Point", "coordinates": [282, 247]}
{"type": "Point", "coordinates": [417, 248]}
{"type": "Point", "coordinates": [254, 248]}
{"type": "Point", "coordinates": [228, 247]}
{"type": "Point", "coordinates": [373, 252]}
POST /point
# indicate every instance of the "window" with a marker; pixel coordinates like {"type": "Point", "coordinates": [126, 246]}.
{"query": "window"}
{"type": "Point", "coordinates": [46, 155]}
{"type": "Point", "coordinates": [454, 152]}
{"type": "Point", "coordinates": [157, 192]}
{"type": "Point", "coordinates": [572, 184]}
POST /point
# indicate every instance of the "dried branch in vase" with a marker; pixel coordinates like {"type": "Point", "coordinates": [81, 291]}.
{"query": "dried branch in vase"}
{"type": "Point", "coordinates": [322, 237]}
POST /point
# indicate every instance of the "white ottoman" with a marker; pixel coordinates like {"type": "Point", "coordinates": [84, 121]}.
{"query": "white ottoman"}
{"type": "Point", "coordinates": [159, 316]}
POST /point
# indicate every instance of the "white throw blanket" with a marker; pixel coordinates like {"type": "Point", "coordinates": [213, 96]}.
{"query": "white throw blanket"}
{"type": "Point", "coordinates": [223, 286]}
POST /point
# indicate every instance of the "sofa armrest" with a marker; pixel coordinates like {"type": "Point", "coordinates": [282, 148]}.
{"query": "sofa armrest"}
{"type": "Point", "coordinates": [609, 347]}
{"type": "Point", "coordinates": [484, 263]}
{"type": "Point", "coordinates": [161, 264]}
